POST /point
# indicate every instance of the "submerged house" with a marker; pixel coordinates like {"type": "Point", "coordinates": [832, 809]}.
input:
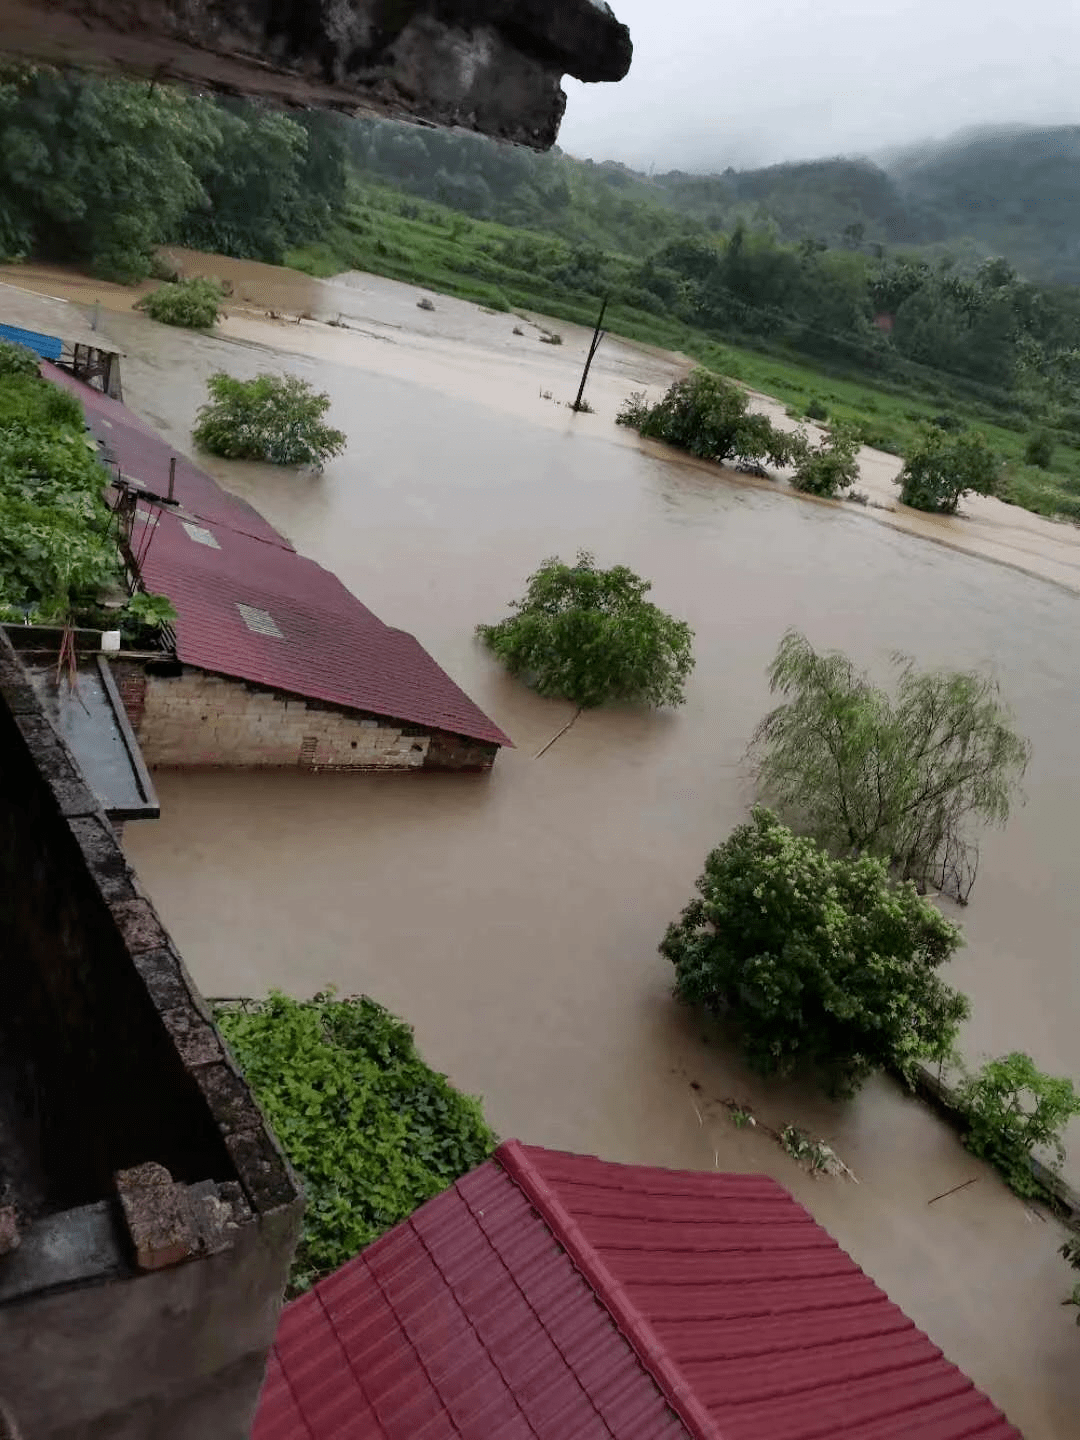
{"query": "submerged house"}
{"type": "Point", "coordinates": [549, 1296]}
{"type": "Point", "coordinates": [271, 661]}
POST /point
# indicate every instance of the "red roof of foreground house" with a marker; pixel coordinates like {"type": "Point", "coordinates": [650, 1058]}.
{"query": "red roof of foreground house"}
{"type": "Point", "coordinates": [227, 570]}
{"type": "Point", "coordinates": [558, 1297]}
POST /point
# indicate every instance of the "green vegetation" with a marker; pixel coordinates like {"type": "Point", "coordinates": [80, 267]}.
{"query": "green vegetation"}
{"type": "Point", "coordinates": [193, 304]}
{"type": "Point", "coordinates": [436, 248]}
{"type": "Point", "coordinates": [100, 171]}
{"type": "Point", "coordinates": [273, 417]}
{"type": "Point", "coordinates": [710, 417]}
{"type": "Point", "coordinates": [590, 636]}
{"type": "Point", "coordinates": [372, 1131]}
{"type": "Point", "coordinates": [1011, 1109]}
{"type": "Point", "coordinates": [1071, 1252]}
{"type": "Point", "coordinates": [781, 278]}
{"type": "Point", "coordinates": [816, 961]}
{"type": "Point", "coordinates": [830, 467]}
{"type": "Point", "coordinates": [898, 777]}
{"type": "Point", "coordinates": [941, 468]}
{"type": "Point", "coordinates": [144, 616]}
{"type": "Point", "coordinates": [57, 550]}
{"type": "Point", "coordinates": [1039, 450]}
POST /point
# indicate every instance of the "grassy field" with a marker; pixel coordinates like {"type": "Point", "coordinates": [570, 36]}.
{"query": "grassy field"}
{"type": "Point", "coordinates": [387, 233]}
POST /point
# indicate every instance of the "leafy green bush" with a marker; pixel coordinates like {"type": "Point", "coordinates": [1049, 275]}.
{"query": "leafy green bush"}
{"type": "Point", "coordinates": [57, 550]}
{"type": "Point", "coordinates": [273, 417]}
{"type": "Point", "coordinates": [897, 776]}
{"type": "Point", "coordinates": [817, 409]}
{"type": "Point", "coordinates": [940, 468]}
{"type": "Point", "coordinates": [710, 417]}
{"type": "Point", "coordinates": [372, 1131]}
{"type": "Point", "coordinates": [1012, 1108]}
{"type": "Point", "coordinates": [144, 616]}
{"type": "Point", "coordinates": [193, 304]}
{"type": "Point", "coordinates": [18, 360]}
{"type": "Point", "coordinates": [832, 467]}
{"type": "Point", "coordinates": [1039, 450]}
{"type": "Point", "coordinates": [590, 636]}
{"type": "Point", "coordinates": [816, 961]}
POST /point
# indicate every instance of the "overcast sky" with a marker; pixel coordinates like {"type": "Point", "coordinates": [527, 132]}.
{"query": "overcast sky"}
{"type": "Point", "coordinates": [752, 82]}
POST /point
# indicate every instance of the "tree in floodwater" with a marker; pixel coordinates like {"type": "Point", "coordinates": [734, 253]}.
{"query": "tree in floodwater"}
{"type": "Point", "coordinates": [940, 468]}
{"type": "Point", "coordinates": [589, 635]}
{"type": "Point", "coordinates": [815, 961]}
{"type": "Point", "coordinates": [710, 416]}
{"type": "Point", "coordinates": [273, 417]}
{"type": "Point", "coordinates": [897, 776]}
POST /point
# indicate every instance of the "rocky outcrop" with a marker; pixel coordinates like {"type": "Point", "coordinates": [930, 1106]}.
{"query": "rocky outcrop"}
{"type": "Point", "coordinates": [493, 66]}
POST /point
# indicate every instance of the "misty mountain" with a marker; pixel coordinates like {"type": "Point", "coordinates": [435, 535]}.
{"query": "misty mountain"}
{"type": "Point", "coordinates": [1012, 192]}
{"type": "Point", "coordinates": [1008, 191]}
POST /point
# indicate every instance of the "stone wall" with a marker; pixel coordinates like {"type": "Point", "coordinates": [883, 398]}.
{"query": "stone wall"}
{"type": "Point", "coordinates": [150, 1217]}
{"type": "Point", "coordinates": [195, 718]}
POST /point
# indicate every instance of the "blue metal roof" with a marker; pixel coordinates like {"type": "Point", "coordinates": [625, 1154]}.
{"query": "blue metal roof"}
{"type": "Point", "coordinates": [47, 346]}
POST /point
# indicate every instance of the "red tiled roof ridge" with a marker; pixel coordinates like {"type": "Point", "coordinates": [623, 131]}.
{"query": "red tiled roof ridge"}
{"type": "Point", "coordinates": [632, 1325]}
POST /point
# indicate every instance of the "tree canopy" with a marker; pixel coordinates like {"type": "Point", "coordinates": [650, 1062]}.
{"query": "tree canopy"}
{"type": "Point", "coordinates": [273, 417]}
{"type": "Point", "coordinates": [101, 171]}
{"type": "Point", "coordinates": [589, 635]}
{"type": "Point", "coordinates": [897, 776]}
{"type": "Point", "coordinates": [941, 468]}
{"type": "Point", "coordinates": [710, 416]}
{"type": "Point", "coordinates": [817, 961]}
{"type": "Point", "coordinates": [193, 304]}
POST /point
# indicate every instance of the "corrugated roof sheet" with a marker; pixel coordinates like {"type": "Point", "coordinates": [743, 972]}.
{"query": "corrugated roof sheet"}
{"type": "Point", "coordinates": [554, 1296]}
{"type": "Point", "coordinates": [468, 1320]}
{"type": "Point", "coordinates": [331, 647]}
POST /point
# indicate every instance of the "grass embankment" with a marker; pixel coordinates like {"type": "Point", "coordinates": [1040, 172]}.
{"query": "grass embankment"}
{"type": "Point", "coordinates": [387, 233]}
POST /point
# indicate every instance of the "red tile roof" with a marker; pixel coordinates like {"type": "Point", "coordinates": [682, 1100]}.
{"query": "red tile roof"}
{"type": "Point", "coordinates": [558, 1296]}
{"type": "Point", "coordinates": [330, 648]}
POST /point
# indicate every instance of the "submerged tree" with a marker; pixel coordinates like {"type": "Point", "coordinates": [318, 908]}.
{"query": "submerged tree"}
{"type": "Point", "coordinates": [830, 467]}
{"type": "Point", "coordinates": [590, 636]}
{"type": "Point", "coordinates": [816, 961]}
{"type": "Point", "coordinates": [901, 776]}
{"type": "Point", "coordinates": [941, 468]}
{"type": "Point", "coordinates": [710, 416]}
{"type": "Point", "coordinates": [273, 417]}
{"type": "Point", "coordinates": [192, 304]}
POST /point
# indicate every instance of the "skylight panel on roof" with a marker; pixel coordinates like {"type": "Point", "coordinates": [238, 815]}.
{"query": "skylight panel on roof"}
{"type": "Point", "coordinates": [200, 534]}
{"type": "Point", "coordinates": [259, 622]}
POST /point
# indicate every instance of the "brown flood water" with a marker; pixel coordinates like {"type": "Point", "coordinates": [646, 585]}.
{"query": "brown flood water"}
{"type": "Point", "coordinates": [514, 918]}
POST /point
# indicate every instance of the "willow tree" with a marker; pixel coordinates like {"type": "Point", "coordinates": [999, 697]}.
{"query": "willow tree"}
{"type": "Point", "coordinates": [902, 776]}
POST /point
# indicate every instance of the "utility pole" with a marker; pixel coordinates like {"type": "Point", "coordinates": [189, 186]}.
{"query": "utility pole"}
{"type": "Point", "coordinates": [598, 335]}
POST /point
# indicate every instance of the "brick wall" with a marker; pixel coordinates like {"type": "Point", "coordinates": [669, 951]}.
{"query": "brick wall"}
{"type": "Point", "coordinates": [199, 719]}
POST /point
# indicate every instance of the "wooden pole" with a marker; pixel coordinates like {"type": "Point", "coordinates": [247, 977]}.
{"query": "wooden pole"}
{"type": "Point", "coordinates": [597, 337]}
{"type": "Point", "coordinates": [172, 476]}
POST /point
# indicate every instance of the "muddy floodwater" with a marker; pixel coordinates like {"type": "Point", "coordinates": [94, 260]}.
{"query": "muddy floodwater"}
{"type": "Point", "coordinates": [513, 918]}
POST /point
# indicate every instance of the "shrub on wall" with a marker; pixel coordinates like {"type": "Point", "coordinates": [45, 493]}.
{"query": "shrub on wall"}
{"type": "Point", "coordinates": [371, 1129]}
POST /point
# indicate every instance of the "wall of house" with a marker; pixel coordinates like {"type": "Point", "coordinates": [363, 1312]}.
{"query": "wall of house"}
{"type": "Point", "coordinates": [124, 1312]}
{"type": "Point", "coordinates": [195, 718]}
